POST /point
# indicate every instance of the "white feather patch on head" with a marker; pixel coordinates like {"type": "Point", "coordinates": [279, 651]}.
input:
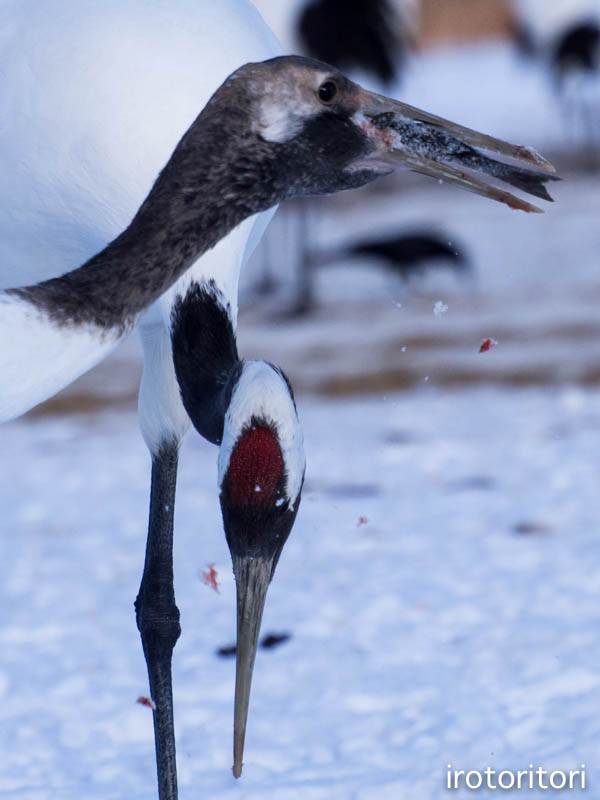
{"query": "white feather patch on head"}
{"type": "Point", "coordinates": [279, 123]}
{"type": "Point", "coordinates": [262, 392]}
{"type": "Point", "coordinates": [284, 109]}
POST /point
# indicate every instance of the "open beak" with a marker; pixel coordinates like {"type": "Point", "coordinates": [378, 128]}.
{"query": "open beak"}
{"type": "Point", "coordinates": [422, 142]}
{"type": "Point", "coordinates": [252, 578]}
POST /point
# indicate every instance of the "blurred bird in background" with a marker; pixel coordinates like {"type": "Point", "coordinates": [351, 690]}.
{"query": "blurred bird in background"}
{"type": "Point", "coordinates": [371, 38]}
{"type": "Point", "coordinates": [363, 35]}
{"type": "Point", "coordinates": [566, 45]}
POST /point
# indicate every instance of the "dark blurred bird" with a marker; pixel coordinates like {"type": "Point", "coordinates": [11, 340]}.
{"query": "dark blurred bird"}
{"type": "Point", "coordinates": [574, 58]}
{"type": "Point", "coordinates": [408, 255]}
{"type": "Point", "coordinates": [354, 34]}
{"type": "Point", "coordinates": [363, 35]}
{"type": "Point", "coordinates": [577, 49]}
{"type": "Point", "coordinates": [570, 56]}
{"type": "Point", "coordinates": [523, 38]}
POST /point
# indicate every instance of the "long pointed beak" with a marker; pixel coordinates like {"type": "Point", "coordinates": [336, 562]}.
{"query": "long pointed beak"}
{"type": "Point", "coordinates": [422, 142]}
{"type": "Point", "coordinates": [252, 576]}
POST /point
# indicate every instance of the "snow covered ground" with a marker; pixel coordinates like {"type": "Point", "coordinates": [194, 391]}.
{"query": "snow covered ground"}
{"type": "Point", "coordinates": [440, 587]}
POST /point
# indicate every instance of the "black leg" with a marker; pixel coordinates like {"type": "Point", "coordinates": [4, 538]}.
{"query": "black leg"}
{"type": "Point", "coordinates": [158, 616]}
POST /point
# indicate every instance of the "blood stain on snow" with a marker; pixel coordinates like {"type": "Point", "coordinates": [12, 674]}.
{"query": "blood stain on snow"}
{"type": "Point", "coordinates": [361, 521]}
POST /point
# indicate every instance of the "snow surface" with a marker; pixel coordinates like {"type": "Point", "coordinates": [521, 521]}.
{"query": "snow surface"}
{"type": "Point", "coordinates": [458, 624]}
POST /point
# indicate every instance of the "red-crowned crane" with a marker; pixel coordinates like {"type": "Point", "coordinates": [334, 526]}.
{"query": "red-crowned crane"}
{"type": "Point", "coordinates": [248, 409]}
{"type": "Point", "coordinates": [274, 129]}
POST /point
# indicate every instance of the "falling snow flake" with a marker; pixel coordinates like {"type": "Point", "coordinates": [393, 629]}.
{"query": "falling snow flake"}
{"type": "Point", "coordinates": [209, 577]}
{"type": "Point", "coordinates": [440, 308]}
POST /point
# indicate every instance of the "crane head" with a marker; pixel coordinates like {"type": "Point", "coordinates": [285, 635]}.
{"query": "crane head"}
{"type": "Point", "coordinates": [311, 130]}
{"type": "Point", "coordinates": [261, 472]}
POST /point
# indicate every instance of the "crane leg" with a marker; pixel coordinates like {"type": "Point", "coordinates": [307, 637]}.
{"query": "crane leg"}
{"type": "Point", "coordinates": [158, 616]}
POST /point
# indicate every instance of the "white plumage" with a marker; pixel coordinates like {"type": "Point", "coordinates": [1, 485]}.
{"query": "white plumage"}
{"type": "Point", "coordinates": [93, 100]}
{"type": "Point", "coordinates": [38, 359]}
{"type": "Point", "coordinates": [261, 391]}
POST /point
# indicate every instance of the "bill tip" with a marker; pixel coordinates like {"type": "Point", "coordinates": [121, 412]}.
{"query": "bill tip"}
{"type": "Point", "coordinates": [529, 154]}
{"type": "Point", "coordinates": [534, 210]}
{"type": "Point", "coordinates": [516, 204]}
{"type": "Point", "coordinates": [237, 770]}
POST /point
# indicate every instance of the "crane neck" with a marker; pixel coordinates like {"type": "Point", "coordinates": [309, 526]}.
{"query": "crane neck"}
{"type": "Point", "coordinates": [218, 175]}
{"type": "Point", "coordinates": [205, 357]}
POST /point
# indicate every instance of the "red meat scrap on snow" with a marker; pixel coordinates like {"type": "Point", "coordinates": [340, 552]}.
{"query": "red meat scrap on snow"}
{"type": "Point", "coordinates": [487, 344]}
{"type": "Point", "coordinates": [209, 577]}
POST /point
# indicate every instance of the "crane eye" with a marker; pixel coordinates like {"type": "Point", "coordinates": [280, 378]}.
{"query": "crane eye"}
{"type": "Point", "coordinates": [327, 91]}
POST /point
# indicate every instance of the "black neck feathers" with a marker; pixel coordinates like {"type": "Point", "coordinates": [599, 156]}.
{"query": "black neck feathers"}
{"type": "Point", "coordinates": [205, 356]}
{"type": "Point", "coordinates": [219, 174]}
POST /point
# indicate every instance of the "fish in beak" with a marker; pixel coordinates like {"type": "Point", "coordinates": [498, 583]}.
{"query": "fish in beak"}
{"type": "Point", "coordinates": [328, 134]}
{"type": "Point", "coordinates": [408, 137]}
